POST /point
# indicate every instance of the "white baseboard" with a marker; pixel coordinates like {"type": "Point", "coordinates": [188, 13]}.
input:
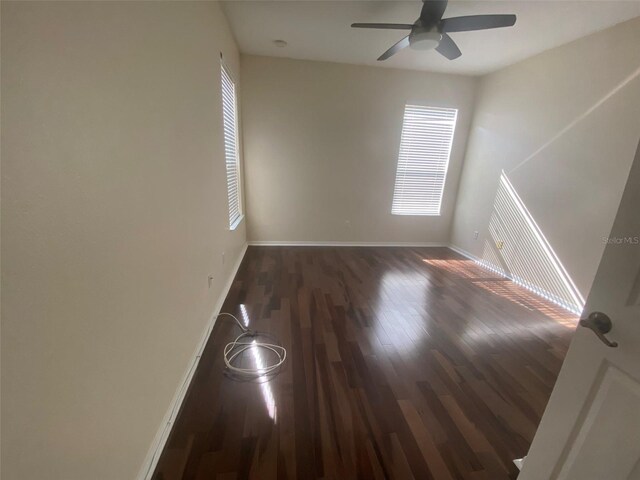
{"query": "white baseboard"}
{"type": "Point", "coordinates": [162, 435]}
{"type": "Point", "coordinates": [283, 243]}
{"type": "Point", "coordinates": [479, 261]}
{"type": "Point", "coordinates": [464, 253]}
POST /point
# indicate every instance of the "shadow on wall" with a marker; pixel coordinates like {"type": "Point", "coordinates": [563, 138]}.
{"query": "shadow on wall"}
{"type": "Point", "coordinates": [580, 118]}
{"type": "Point", "coordinates": [519, 250]}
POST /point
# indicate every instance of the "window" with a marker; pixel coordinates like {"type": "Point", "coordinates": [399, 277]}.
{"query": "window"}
{"type": "Point", "coordinates": [230, 124]}
{"type": "Point", "coordinates": [425, 146]}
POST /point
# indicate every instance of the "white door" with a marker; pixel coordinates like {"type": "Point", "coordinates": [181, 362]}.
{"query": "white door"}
{"type": "Point", "coordinates": [591, 427]}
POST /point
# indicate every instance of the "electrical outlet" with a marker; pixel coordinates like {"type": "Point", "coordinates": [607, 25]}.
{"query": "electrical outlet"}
{"type": "Point", "coordinates": [499, 244]}
{"type": "Point", "coordinates": [475, 235]}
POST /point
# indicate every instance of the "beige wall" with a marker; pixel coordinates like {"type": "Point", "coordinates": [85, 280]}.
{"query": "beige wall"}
{"type": "Point", "coordinates": [321, 145]}
{"type": "Point", "coordinates": [569, 113]}
{"type": "Point", "coordinates": [114, 214]}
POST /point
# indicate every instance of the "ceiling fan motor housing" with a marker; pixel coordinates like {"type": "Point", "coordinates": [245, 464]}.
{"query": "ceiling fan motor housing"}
{"type": "Point", "coordinates": [422, 38]}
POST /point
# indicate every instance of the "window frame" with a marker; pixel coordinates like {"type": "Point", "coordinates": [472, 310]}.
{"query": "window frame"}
{"type": "Point", "coordinates": [235, 221]}
{"type": "Point", "coordinates": [405, 165]}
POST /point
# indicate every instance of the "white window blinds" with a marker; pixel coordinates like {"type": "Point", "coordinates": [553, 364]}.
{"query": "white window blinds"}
{"type": "Point", "coordinates": [230, 123]}
{"type": "Point", "coordinates": [425, 146]}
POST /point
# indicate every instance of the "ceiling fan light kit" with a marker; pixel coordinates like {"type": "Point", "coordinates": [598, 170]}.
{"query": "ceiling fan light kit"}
{"type": "Point", "coordinates": [432, 31]}
{"type": "Point", "coordinates": [424, 40]}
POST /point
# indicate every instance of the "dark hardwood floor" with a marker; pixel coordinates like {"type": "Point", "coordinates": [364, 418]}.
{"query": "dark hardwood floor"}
{"type": "Point", "coordinates": [402, 363]}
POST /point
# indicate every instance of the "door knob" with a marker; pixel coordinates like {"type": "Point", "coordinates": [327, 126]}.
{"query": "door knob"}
{"type": "Point", "coordinates": [599, 323]}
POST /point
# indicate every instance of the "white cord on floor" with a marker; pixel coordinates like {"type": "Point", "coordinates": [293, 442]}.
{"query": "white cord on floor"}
{"type": "Point", "coordinates": [235, 348]}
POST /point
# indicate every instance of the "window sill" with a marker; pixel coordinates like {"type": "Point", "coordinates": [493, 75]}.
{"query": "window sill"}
{"type": "Point", "coordinates": [237, 223]}
{"type": "Point", "coordinates": [417, 214]}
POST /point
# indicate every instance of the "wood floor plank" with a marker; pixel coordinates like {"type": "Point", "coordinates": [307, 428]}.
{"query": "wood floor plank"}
{"type": "Point", "coordinates": [402, 363]}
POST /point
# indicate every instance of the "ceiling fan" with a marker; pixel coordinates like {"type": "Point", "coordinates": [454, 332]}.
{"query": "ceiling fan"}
{"type": "Point", "coordinates": [432, 31]}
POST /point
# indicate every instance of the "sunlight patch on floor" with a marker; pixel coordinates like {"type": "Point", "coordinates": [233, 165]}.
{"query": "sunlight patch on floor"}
{"type": "Point", "coordinates": [492, 281]}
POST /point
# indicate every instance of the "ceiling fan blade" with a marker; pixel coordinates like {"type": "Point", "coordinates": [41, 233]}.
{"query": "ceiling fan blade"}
{"type": "Point", "coordinates": [432, 11]}
{"type": "Point", "coordinates": [395, 49]}
{"type": "Point", "coordinates": [476, 22]}
{"type": "Point", "coordinates": [448, 47]}
{"type": "Point", "coordinates": [387, 26]}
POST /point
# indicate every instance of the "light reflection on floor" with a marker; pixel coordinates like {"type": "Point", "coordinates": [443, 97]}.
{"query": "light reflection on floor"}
{"type": "Point", "coordinates": [399, 312]}
{"type": "Point", "coordinates": [264, 382]}
{"type": "Point", "coordinates": [260, 364]}
{"type": "Point", "coordinates": [245, 315]}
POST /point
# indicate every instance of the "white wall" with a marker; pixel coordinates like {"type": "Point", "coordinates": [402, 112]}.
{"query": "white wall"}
{"type": "Point", "coordinates": [113, 213]}
{"type": "Point", "coordinates": [570, 115]}
{"type": "Point", "coordinates": [321, 146]}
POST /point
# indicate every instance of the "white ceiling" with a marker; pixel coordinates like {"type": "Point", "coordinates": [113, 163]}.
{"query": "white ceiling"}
{"type": "Point", "coordinates": [320, 30]}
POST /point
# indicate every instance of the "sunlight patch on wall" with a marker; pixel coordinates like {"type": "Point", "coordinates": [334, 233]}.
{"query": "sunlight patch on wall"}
{"type": "Point", "coordinates": [519, 250]}
{"type": "Point", "coordinates": [490, 260]}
